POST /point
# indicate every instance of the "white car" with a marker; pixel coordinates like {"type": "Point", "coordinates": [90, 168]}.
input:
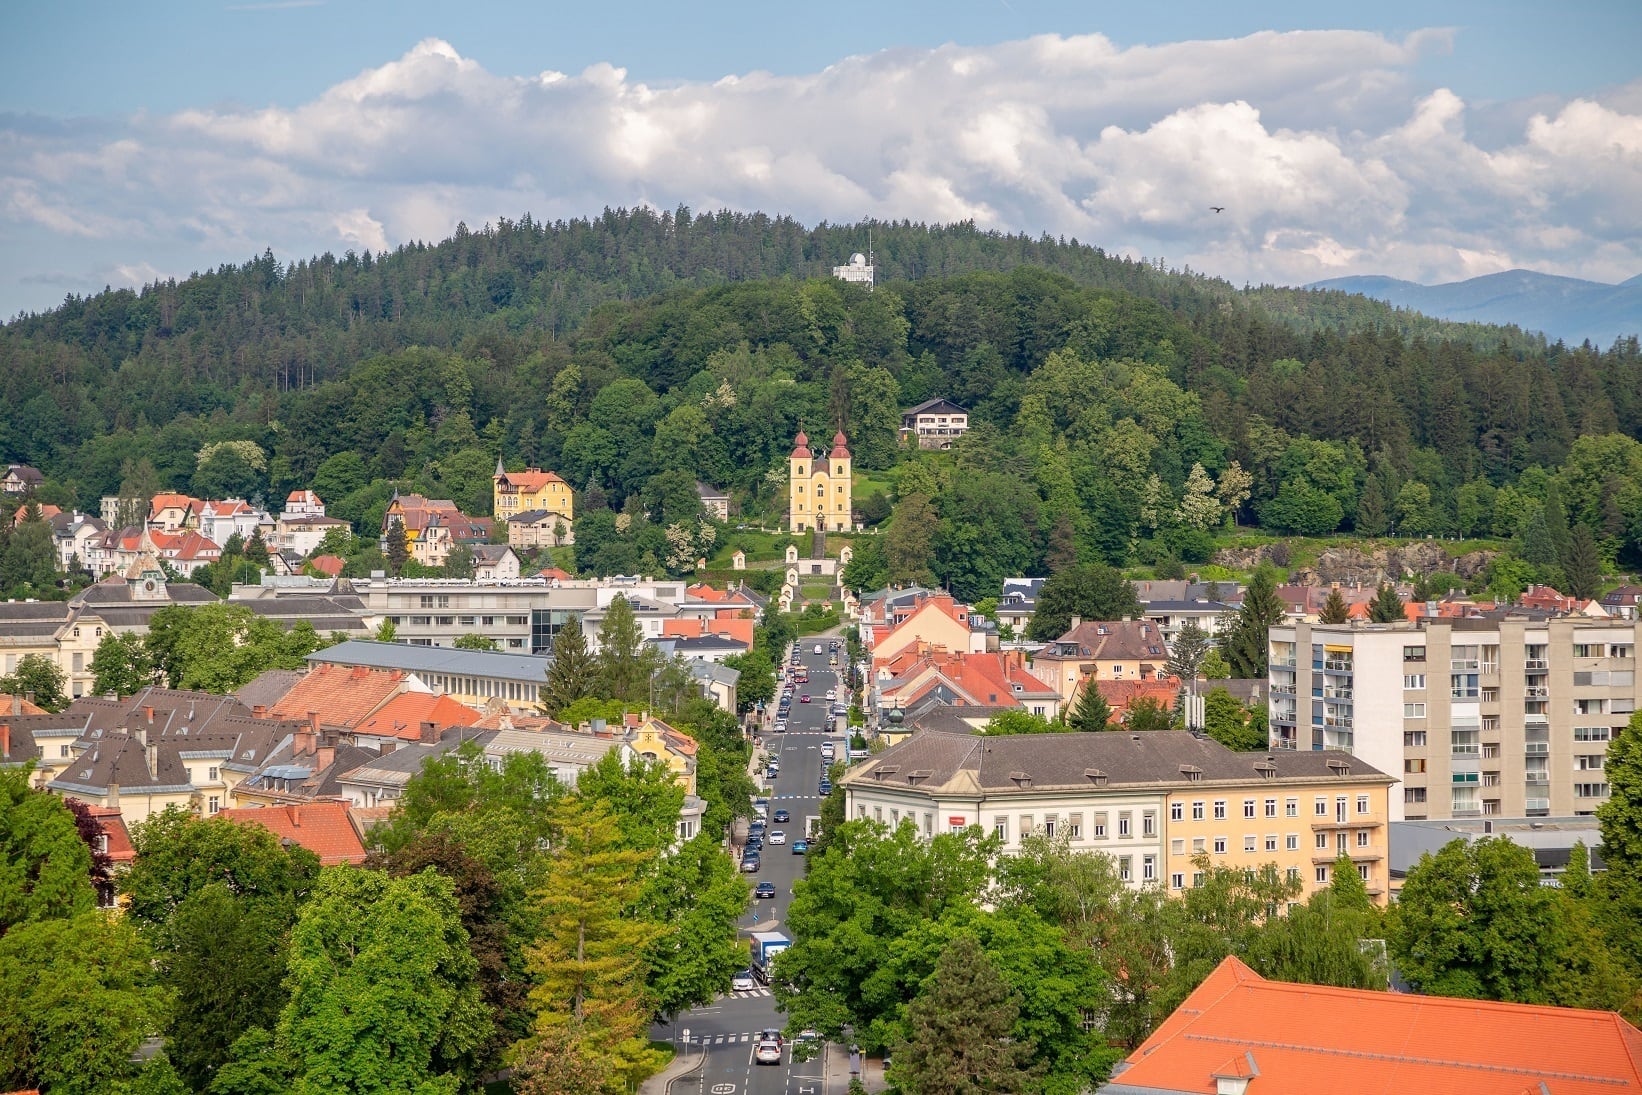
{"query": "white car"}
{"type": "Point", "coordinates": [832, 693]}
{"type": "Point", "coordinates": [778, 837]}
{"type": "Point", "coordinates": [743, 982]}
{"type": "Point", "coordinates": [768, 1052]}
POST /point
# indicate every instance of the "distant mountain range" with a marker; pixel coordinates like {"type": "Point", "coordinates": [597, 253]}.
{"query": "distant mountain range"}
{"type": "Point", "coordinates": [1563, 308]}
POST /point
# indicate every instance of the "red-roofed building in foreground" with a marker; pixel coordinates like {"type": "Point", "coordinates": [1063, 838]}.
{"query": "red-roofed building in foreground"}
{"type": "Point", "coordinates": [323, 828]}
{"type": "Point", "coordinates": [1239, 1034]}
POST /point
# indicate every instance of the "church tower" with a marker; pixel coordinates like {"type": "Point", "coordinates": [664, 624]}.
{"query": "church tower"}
{"type": "Point", "coordinates": [818, 487]}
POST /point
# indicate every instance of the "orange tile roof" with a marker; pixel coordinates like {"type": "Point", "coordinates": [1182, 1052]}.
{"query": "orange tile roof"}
{"type": "Point", "coordinates": [530, 480]}
{"type": "Point", "coordinates": [701, 591]}
{"type": "Point", "coordinates": [342, 695]}
{"type": "Point", "coordinates": [111, 825]}
{"type": "Point", "coordinates": [1121, 695]}
{"type": "Point", "coordinates": [1289, 1037]}
{"type": "Point", "coordinates": [24, 706]}
{"type": "Point", "coordinates": [402, 717]}
{"type": "Point", "coordinates": [321, 827]}
{"type": "Point", "coordinates": [328, 565]}
{"type": "Point", "coordinates": [735, 626]}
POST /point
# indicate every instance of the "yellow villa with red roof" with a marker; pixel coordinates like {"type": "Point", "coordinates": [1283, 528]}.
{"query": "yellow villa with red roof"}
{"type": "Point", "coordinates": [516, 492]}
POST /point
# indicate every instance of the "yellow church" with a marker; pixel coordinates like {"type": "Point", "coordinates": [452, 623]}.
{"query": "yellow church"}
{"type": "Point", "coordinates": [818, 487]}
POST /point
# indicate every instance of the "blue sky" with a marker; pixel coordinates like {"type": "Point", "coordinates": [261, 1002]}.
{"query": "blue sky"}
{"type": "Point", "coordinates": [1430, 141]}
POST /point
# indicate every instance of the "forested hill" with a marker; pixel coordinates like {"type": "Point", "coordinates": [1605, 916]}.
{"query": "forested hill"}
{"type": "Point", "coordinates": [638, 352]}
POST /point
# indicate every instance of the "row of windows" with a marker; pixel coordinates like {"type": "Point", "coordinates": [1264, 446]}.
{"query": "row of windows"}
{"type": "Point", "coordinates": [1291, 807]}
{"type": "Point", "coordinates": [459, 621]}
{"type": "Point", "coordinates": [1253, 842]}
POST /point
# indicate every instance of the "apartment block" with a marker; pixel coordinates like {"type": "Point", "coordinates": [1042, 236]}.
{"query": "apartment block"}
{"type": "Point", "coordinates": [1505, 717]}
{"type": "Point", "coordinates": [1155, 802]}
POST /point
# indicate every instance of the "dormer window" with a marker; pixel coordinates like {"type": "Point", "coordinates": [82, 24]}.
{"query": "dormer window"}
{"type": "Point", "coordinates": [1096, 775]}
{"type": "Point", "coordinates": [1192, 772]}
{"type": "Point", "coordinates": [1021, 779]}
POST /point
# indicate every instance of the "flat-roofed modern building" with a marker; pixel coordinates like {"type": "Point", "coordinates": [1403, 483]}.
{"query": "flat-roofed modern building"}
{"type": "Point", "coordinates": [1507, 716]}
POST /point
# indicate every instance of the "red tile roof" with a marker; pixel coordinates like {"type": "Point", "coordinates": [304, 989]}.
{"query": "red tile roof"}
{"type": "Point", "coordinates": [321, 827]}
{"type": "Point", "coordinates": [111, 825]}
{"type": "Point", "coordinates": [1121, 695]}
{"type": "Point", "coordinates": [402, 717]}
{"type": "Point", "coordinates": [343, 696]}
{"type": "Point", "coordinates": [24, 707]}
{"type": "Point", "coordinates": [1291, 1037]}
{"type": "Point", "coordinates": [529, 481]}
{"type": "Point", "coordinates": [328, 565]}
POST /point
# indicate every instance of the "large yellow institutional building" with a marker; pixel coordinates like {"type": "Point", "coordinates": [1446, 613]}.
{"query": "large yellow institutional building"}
{"type": "Point", "coordinates": [818, 487]}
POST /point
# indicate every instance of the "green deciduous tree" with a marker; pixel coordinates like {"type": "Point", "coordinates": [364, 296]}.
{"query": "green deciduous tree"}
{"type": "Point", "coordinates": [1092, 592]}
{"type": "Point", "coordinates": [29, 561]}
{"type": "Point", "coordinates": [909, 545]}
{"type": "Point", "coordinates": [39, 677]}
{"type": "Point", "coordinates": [695, 896]}
{"type": "Point", "coordinates": [1021, 721]}
{"type": "Point", "coordinates": [961, 1030]}
{"type": "Point", "coordinates": [1228, 722]}
{"type": "Point", "coordinates": [1474, 921]}
{"type": "Point", "coordinates": [1621, 815]}
{"type": "Point", "coordinates": [1147, 713]}
{"type": "Point", "coordinates": [80, 996]}
{"type": "Point", "coordinates": [45, 866]}
{"type": "Point", "coordinates": [121, 665]}
{"type": "Point", "coordinates": [219, 647]}
{"type": "Point", "coordinates": [382, 990]}
{"type": "Point", "coordinates": [472, 641]}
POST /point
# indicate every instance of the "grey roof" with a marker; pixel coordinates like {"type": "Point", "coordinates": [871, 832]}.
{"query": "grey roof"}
{"type": "Point", "coordinates": [565, 747]}
{"type": "Point", "coordinates": [435, 659]}
{"type": "Point", "coordinates": [268, 687]}
{"type": "Point", "coordinates": [932, 404]}
{"type": "Point", "coordinates": [1212, 607]}
{"type": "Point", "coordinates": [534, 516]}
{"type": "Point", "coordinates": [121, 759]}
{"type": "Point", "coordinates": [700, 645]}
{"type": "Point", "coordinates": [490, 553]}
{"type": "Point", "coordinates": [715, 672]}
{"type": "Point", "coordinates": [948, 718]}
{"type": "Point", "coordinates": [117, 591]}
{"type": "Point", "coordinates": [396, 768]}
{"type": "Point", "coordinates": [1158, 759]}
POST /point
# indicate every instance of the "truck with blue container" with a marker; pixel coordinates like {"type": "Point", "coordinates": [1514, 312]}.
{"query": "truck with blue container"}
{"type": "Point", "coordinates": [765, 946]}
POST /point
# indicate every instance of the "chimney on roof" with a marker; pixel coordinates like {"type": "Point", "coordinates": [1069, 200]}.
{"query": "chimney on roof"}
{"type": "Point", "coordinates": [16, 704]}
{"type": "Point", "coordinates": [304, 742]}
{"type": "Point", "coordinates": [148, 712]}
{"type": "Point", "coordinates": [113, 796]}
{"type": "Point", "coordinates": [152, 755]}
{"type": "Point", "coordinates": [324, 757]}
{"type": "Point", "coordinates": [430, 732]}
{"type": "Point", "coordinates": [1077, 621]}
{"type": "Point", "coordinates": [5, 741]}
{"type": "Point", "coordinates": [313, 721]}
{"type": "Point", "coordinates": [141, 735]}
{"type": "Point", "coordinates": [386, 748]}
{"type": "Point", "coordinates": [295, 815]}
{"type": "Point", "coordinates": [259, 711]}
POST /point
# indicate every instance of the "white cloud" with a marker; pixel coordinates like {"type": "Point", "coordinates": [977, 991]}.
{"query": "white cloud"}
{"type": "Point", "coordinates": [1328, 154]}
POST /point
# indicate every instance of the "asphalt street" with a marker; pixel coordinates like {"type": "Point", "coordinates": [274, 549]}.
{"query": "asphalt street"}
{"type": "Point", "coordinates": [726, 1032]}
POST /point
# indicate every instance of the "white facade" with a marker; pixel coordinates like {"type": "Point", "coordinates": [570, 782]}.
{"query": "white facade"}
{"type": "Point", "coordinates": [858, 270]}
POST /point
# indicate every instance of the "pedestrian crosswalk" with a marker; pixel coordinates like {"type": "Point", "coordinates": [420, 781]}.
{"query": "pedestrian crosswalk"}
{"type": "Point", "coordinates": [748, 994]}
{"type": "Point", "coordinates": [720, 1039]}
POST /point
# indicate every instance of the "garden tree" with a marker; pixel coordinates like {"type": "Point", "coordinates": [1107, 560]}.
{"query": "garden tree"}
{"type": "Point", "coordinates": [1018, 720]}
{"type": "Point", "coordinates": [256, 549]}
{"type": "Point", "coordinates": [219, 647]}
{"type": "Point", "coordinates": [1320, 942]}
{"type": "Point", "coordinates": [1556, 521]}
{"type": "Point", "coordinates": [39, 678]}
{"type": "Point", "coordinates": [757, 682]}
{"type": "Point", "coordinates": [255, 1066]}
{"type": "Point", "coordinates": [1334, 609]}
{"type": "Point", "coordinates": [121, 665]}
{"type": "Point", "coordinates": [1093, 591]}
{"type": "Point", "coordinates": [1387, 607]}
{"type": "Point", "coordinates": [1232, 489]}
{"type": "Point", "coordinates": [382, 990]}
{"type": "Point", "coordinates": [1582, 566]}
{"type": "Point", "coordinates": [45, 865]}
{"type": "Point", "coordinates": [722, 756]}
{"type": "Point", "coordinates": [179, 854]}
{"type": "Point", "coordinates": [29, 561]}
{"type": "Point", "coordinates": [643, 797]}
{"type": "Point", "coordinates": [1621, 815]}
{"type": "Point", "coordinates": [80, 996]}
{"type": "Point", "coordinates": [473, 641]}
{"type": "Point", "coordinates": [386, 632]}
{"type": "Point", "coordinates": [139, 483]}
{"type": "Point", "coordinates": [867, 890]}
{"type": "Point", "coordinates": [1228, 722]}
{"type": "Point", "coordinates": [1474, 921]}
{"type": "Point", "coordinates": [491, 913]}
{"type": "Point", "coordinates": [223, 960]}
{"type": "Point", "coordinates": [909, 545]}
{"type": "Point", "coordinates": [1303, 509]}
{"type": "Point", "coordinates": [961, 1029]}
{"type": "Point", "coordinates": [1215, 667]}
{"type": "Point", "coordinates": [625, 663]}
{"type": "Point", "coordinates": [156, 1076]}
{"type": "Point", "coordinates": [1245, 645]}
{"type": "Point", "coordinates": [396, 547]}
{"type": "Point", "coordinates": [1092, 713]}
{"type": "Point", "coordinates": [459, 563]}
{"type": "Point", "coordinates": [1416, 514]}
{"type": "Point", "coordinates": [589, 960]}
{"type": "Point", "coordinates": [696, 896]}
{"type": "Point", "coordinates": [868, 568]}
{"type": "Point", "coordinates": [573, 674]}
{"type": "Point", "coordinates": [1147, 713]}
{"type": "Point", "coordinates": [338, 540]}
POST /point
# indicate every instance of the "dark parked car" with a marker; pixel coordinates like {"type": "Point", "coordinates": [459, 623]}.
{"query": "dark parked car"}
{"type": "Point", "coordinates": [750, 863]}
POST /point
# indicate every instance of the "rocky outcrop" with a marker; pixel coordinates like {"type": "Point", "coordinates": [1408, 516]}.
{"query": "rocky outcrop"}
{"type": "Point", "coordinates": [1355, 566]}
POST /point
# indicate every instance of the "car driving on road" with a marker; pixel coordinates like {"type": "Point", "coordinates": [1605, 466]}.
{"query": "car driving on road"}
{"type": "Point", "coordinates": [764, 890]}
{"type": "Point", "coordinates": [778, 837]}
{"type": "Point", "coordinates": [782, 815]}
{"type": "Point", "coordinates": [768, 1052]}
{"type": "Point", "coordinates": [742, 981]}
